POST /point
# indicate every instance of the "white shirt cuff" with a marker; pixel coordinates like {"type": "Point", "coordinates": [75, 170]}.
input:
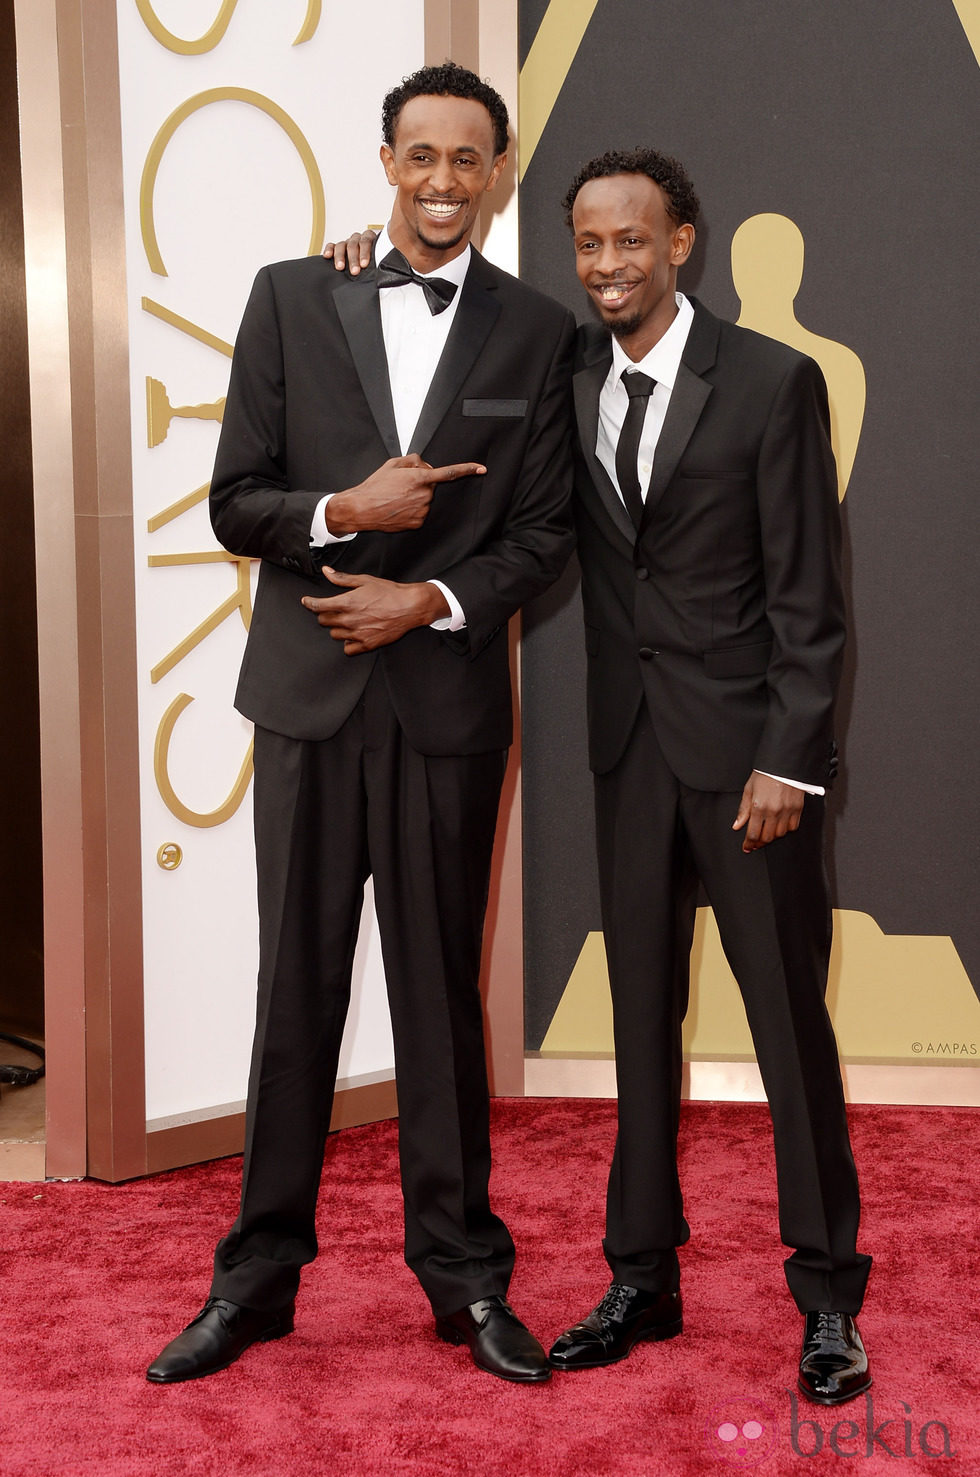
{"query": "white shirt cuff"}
{"type": "Point", "coordinates": [455, 620]}
{"type": "Point", "coordinates": [320, 534]}
{"type": "Point", "coordinates": [796, 784]}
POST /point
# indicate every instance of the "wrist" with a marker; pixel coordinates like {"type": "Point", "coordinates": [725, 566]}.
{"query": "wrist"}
{"type": "Point", "coordinates": [339, 515]}
{"type": "Point", "coordinates": [432, 604]}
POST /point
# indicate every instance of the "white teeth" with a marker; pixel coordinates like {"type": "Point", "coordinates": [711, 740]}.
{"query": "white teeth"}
{"type": "Point", "coordinates": [441, 208]}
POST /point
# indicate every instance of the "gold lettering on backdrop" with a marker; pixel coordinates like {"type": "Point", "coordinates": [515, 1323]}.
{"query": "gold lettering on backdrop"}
{"type": "Point", "coordinates": [240, 600]}
{"type": "Point", "coordinates": [160, 412]}
{"type": "Point", "coordinates": [171, 799]}
{"type": "Point", "coordinates": [180, 115]}
{"type": "Point", "coordinates": [182, 505]}
{"type": "Point", "coordinates": [185, 325]}
{"type": "Point", "coordinates": [215, 34]}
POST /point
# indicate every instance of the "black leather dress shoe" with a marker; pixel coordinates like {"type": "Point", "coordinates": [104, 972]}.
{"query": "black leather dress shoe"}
{"type": "Point", "coordinates": [625, 1315]}
{"type": "Point", "coordinates": [215, 1338]}
{"type": "Point", "coordinates": [498, 1340]}
{"type": "Point", "coordinates": [833, 1365]}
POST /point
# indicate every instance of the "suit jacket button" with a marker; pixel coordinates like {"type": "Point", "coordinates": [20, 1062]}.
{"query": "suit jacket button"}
{"type": "Point", "coordinates": [642, 573]}
{"type": "Point", "coordinates": [647, 653]}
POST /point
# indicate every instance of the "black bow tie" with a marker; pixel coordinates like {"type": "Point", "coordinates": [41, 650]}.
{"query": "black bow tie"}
{"type": "Point", "coordinates": [394, 271]}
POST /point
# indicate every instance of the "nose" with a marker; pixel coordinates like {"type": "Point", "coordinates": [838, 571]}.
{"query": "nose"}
{"type": "Point", "coordinates": [609, 259]}
{"type": "Point", "coordinates": [441, 176]}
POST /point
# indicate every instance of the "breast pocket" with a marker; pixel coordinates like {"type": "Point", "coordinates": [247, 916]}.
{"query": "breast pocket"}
{"type": "Point", "coordinates": [496, 409]}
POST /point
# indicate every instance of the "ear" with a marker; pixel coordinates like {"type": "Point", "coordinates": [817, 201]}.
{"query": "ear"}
{"type": "Point", "coordinates": [499, 165]}
{"type": "Point", "coordinates": [388, 162]}
{"type": "Point", "coordinates": [682, 246]}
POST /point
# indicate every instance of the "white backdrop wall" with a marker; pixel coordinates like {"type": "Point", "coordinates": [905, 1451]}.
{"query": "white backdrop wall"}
{"type": "Point", "coordinates": [225, 189]}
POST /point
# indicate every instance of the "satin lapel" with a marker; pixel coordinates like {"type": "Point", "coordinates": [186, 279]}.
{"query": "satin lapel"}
{"type": "Point", "coordinates": [360, 318]}
{"type": "Point", "coordinates": [587, 383]}
{"type": "Point", "coordinates": [478, 311]}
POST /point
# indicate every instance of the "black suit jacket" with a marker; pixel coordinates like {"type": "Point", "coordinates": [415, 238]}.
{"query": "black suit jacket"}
{"type": "Point", "coordinates": [726, 610]}
{"type": "Point", "coordinates": [309, 411]}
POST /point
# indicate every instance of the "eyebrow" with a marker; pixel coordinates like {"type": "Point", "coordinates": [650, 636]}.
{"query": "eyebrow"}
{"type": "Point", "coordinates": [433, 148]}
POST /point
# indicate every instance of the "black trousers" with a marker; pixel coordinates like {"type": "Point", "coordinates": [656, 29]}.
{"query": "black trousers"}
{"type": "Point", "coordinates": [327, 815]}
{"type": "Point", "coordinates": [656, 838]}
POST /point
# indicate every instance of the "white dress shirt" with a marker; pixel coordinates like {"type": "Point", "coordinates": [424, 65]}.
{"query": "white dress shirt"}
{"type": "Point", "coordinates": [414, 339]}
{"type": "Point", "coordinates": [662, 364]}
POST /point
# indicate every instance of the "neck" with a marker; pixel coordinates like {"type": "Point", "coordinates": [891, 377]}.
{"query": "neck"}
{"type": "Point", "coordinates": [419, 254]}
{"type": "Point", "coordinates": [637, 345]}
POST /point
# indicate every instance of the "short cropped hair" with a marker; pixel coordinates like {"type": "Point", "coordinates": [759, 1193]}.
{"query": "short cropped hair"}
{"type": "Point", "coordinates": [682, 203]}
{"type": "Point", "coordinates": [447, 80]}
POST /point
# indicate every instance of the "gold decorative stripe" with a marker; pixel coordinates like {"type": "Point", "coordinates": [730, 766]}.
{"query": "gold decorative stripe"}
{"type": "Point", "coordinates": [547, 65]}
{"type": "Point", "coordinates": [186, 326]}
{"type": "Point", "coordinates": [969, 14]}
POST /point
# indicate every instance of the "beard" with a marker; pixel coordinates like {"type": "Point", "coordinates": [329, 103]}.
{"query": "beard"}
{"type": "Point", "coordinates": [624, 327]}
{"type": "Point", "coordinates": [442, 243]}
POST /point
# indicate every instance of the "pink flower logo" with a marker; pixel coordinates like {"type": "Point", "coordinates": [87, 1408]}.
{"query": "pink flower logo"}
{"type": "Point", "coordinates": [741, 1431]}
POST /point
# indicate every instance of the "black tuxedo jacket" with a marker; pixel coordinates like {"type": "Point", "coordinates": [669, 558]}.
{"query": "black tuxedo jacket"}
{"type": "Point", "coordinates": [725, 610]}
{"type": "Point", "coordinates": [309, 411]}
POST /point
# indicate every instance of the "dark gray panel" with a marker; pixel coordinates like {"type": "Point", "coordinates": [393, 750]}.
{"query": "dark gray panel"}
{"type": "Point", "coordinates": [859, 121]}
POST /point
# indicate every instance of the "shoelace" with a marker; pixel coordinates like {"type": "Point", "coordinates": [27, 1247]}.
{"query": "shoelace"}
{"type": "Point", "coordinates": [828, 1329]}
{"type": "Point", "coordinates": [615, 1303]}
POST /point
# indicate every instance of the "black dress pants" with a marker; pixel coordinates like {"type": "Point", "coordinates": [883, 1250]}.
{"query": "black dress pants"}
{"type": "Point", "coordinates": [327, 815]}
{"type": "Point", "coordinates": [656, 838]}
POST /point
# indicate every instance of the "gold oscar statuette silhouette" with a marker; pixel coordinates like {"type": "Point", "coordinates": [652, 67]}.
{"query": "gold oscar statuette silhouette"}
{"type": "Point", "coordinates": [767, 269]}
{"type": "Point", "coordinates": [160, 412]}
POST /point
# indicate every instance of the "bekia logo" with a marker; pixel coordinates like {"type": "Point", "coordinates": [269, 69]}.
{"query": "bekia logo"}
{"type": "Point", "coordinates": [741, 1430]}
{"type": "Point", "coordinates": [744, 1431]}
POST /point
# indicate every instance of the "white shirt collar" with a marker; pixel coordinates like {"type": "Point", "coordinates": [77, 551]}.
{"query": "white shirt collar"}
{"type": "Point", "coordinates": [453, 271]}
{"type": "Point", "coordinates": [664, 359]}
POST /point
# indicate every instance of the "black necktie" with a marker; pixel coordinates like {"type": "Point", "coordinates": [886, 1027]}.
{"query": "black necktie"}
{"type": "Point", "coordinates": [639, 387]}
{"type": "Point", "coordinates": [394, 271]}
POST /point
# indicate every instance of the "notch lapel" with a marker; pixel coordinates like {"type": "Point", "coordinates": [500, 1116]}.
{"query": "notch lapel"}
{"type": "Point", "coordinates": [476, 315]}
{"type": "Point", "coordinates": [687, 401]}
{"type": "Point", "coordinates": [359, 311]}
{"type": "Point", "coordinates": [587, 383]}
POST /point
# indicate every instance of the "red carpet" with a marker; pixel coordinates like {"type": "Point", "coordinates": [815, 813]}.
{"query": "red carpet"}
{"type": "Point", "coordinates": [96, 1278]}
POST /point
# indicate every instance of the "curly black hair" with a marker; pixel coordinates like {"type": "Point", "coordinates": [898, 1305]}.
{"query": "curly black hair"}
{"type": "Point", "coordinates": [447, 80]}
{"type": "Point", "coordinates": [682, 203]}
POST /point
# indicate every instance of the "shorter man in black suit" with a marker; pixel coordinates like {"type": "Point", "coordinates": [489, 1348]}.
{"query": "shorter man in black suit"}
{"type": "Point", "coordinates": [395, 450]}
{"type": "Point", "coordinates": [709, 538]}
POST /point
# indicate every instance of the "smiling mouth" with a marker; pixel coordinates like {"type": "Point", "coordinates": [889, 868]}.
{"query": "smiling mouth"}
{"type": "Point", "coordinates": [441, 210]}
{"type": "Point", "coordinates": [611, 294]}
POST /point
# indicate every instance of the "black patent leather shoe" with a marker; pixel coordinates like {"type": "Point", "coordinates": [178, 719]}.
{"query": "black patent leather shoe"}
{"type": "Point", "coordinates": [498, 1340]}
{"type": "Point", "coordinates": [624, 1317]}
{"type": "Point", "coordinates": [215, 1338]}
{"type": "Point", "coordinates": [833, 1365]}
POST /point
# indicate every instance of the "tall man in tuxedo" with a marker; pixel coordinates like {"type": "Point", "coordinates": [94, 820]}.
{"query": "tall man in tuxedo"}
{"type": "Point", "coordinates": [395, 451]}
{"type": "Point", "coordinates": [709, 538]}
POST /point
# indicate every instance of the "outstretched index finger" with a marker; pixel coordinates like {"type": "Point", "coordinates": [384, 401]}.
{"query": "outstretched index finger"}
{"type": "Point", "coordinates": [458, 469]}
